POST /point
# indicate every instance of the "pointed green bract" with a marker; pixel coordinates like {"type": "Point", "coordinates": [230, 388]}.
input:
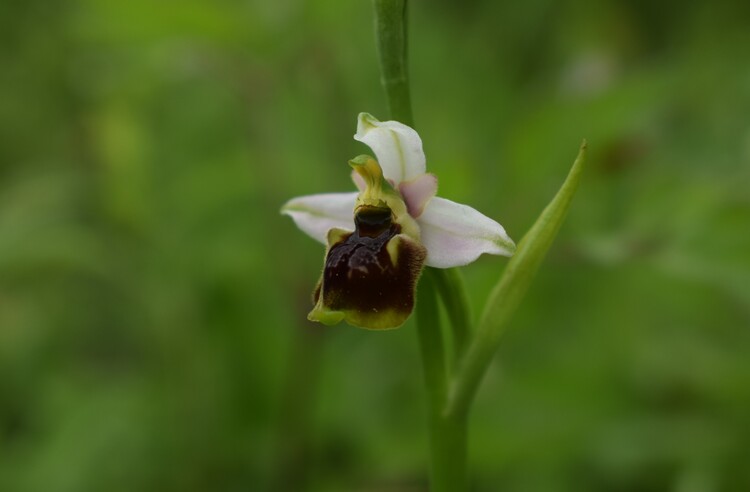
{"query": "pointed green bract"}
{"type": "Point", "coordinates": [510, 290]}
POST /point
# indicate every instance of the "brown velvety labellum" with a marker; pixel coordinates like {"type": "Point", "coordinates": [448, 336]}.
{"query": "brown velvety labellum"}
{"type": "Point", "coordinates": [360, 275]}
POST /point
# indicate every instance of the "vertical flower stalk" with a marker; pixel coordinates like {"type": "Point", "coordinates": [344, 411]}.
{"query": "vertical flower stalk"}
{"type": "Point", "coordinates": [448, 437]}
{"type": "Point", "coordinates": [391, 36]}
{"type": "Point", "coordinates": [451, 392]}
{"type": "Point", "coordinates": [380, 239]}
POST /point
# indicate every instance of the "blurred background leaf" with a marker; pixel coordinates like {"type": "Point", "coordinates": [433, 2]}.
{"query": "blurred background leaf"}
{"type": "Point", "coordinates": [152, 300]}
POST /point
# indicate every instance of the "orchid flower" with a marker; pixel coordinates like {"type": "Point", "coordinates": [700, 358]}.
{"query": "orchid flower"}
{"type": "Point", "coordinates": [379, 238]}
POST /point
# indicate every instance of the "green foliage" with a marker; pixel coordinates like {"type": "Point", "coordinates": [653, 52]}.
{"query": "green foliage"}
{"type": "Point", "coordinates": [152, 302]}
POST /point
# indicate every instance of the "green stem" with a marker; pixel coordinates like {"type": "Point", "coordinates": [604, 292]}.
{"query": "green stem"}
{"type": "Point", "coordinates": [447, 432]}
{"type": "Point", "coordinates": [431, 341]}
{"type": "Point", "coordinates": [450, 285]}
{"type": "Point", "coordinates": [448, 472]}
{"type": "Point", "coordinates": [391, 35]}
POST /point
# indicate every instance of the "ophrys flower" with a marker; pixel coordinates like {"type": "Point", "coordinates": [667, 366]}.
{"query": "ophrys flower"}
{"type": "Point", "coordinates": [379, 238]}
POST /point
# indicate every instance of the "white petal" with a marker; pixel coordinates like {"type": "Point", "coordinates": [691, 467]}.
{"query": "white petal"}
{"type": "Point", "coordinates": [397, 147]}
{"type": "Point", "coordinates": [456, 234]}
{"type": "Point", "coordinates": [317, 214]}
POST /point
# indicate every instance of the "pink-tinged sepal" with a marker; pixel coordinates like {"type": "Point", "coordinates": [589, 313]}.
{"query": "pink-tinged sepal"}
{"type": "Point", "coordinates": [456, 234]}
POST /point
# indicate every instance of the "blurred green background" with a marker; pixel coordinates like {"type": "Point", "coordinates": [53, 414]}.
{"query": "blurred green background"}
{"type": "Point", "coordinates": [152, 299]}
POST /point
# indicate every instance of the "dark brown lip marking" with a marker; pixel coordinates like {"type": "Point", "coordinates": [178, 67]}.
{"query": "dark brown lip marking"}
{"type": "Point", "coordinates": [359, 274]}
